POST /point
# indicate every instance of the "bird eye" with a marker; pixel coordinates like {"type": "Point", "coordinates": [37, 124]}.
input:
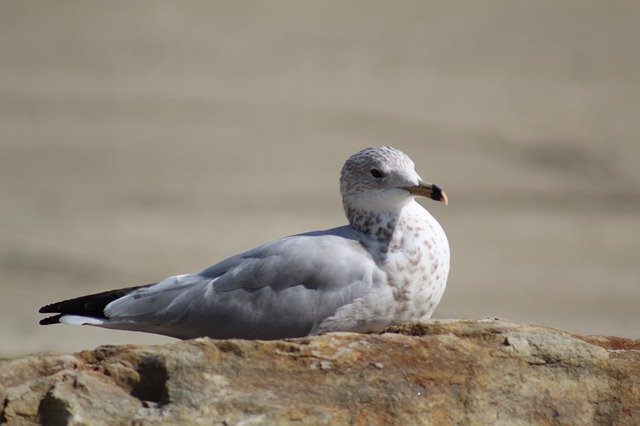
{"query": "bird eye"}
{"type": "Point", "coordinates": [376, 173]}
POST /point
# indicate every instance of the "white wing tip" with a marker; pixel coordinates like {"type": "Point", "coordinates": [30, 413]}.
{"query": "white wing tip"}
{"type": "Point", "coordinates": [80, 320]}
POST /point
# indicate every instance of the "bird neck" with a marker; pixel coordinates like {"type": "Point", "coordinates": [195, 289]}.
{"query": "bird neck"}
{"type": "Point", "coordinates": [378, 225]}
{"type": "Point", "coordinates": [381, 224]}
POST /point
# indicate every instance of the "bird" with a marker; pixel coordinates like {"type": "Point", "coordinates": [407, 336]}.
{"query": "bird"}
{"type": "Point", "coordinates": [389, 265]}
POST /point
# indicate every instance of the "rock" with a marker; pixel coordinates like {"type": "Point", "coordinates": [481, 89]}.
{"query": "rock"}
{"type": "Point", "coordinates": [441, 372]}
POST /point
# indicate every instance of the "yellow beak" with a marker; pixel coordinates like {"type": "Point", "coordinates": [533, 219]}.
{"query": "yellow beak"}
{"type": "Point", "coordinates": [429, 190]}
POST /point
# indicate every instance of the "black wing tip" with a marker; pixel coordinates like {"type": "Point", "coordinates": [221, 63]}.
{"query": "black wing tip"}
{"type": "Point", "coordinates": [50, 320]}
{"type": "Point", "coordinates": [90, 305]}
{"type": "Point", "coordinates": [50, 308]}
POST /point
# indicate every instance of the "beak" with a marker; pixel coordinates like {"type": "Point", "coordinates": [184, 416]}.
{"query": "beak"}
{"type": "Point", "coordinates": [429, 190]}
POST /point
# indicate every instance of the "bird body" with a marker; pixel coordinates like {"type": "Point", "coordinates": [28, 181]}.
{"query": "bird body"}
{"type": "Point", "coordinates": [388, 266]}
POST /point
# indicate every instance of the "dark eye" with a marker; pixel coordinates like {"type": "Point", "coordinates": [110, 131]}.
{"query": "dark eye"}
{"type": "Point", "coordinates": [377, 173]}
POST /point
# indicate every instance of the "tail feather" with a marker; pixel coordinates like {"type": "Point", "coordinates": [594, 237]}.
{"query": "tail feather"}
{"type": "Point", "coordinates": [91, 305]}
{"type": "Point", "coordinates": [51, 320]}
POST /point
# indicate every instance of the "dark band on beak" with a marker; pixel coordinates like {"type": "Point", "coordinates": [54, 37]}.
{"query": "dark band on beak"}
{"type": "Point", "coordinates": [426, 189]}
{"type": "Point", "coordinates": [436, 193]}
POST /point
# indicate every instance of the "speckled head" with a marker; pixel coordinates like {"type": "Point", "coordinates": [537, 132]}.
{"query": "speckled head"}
{"type": "Point", "coordinates": [382, 180]}
{"type": "Point", "coordinates": [374, 179]}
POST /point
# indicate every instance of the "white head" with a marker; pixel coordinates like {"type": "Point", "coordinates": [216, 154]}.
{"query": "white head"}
{"type": "Point", "coordinates": [382, 179]}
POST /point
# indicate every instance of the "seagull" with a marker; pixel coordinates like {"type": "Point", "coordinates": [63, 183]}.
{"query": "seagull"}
{"type": "Point", "coordinates": [388, 266]}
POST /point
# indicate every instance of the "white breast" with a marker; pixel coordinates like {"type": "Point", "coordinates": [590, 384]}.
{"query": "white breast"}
{"type": "Point", "coordinates": [417, 264]}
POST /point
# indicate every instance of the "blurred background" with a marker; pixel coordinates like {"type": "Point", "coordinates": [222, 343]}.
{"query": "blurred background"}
{"type": "Point", "coordinates": [145, 139]}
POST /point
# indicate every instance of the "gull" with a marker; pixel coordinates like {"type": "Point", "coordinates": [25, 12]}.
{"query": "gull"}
{"type": "Point", "coordinates": [388, 266]}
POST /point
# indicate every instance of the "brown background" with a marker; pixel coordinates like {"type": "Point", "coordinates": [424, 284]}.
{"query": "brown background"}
{"type": "Point", "coordinates": [144, 139]}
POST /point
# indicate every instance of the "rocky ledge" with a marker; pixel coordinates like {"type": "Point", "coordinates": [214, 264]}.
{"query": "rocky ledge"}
{"type": "Point", "coordinates": [442, 372]}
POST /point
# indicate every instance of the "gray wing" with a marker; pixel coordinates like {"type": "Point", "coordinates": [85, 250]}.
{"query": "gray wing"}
{"type": "Point", "coordinates": [278, 290]}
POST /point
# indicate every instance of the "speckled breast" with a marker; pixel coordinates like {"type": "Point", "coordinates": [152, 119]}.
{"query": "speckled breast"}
{"type": "Point", "coordinates": [417, 264]}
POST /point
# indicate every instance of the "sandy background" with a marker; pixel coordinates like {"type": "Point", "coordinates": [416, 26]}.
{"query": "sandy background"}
{"type": "Point", "coordinates": [144, 139]}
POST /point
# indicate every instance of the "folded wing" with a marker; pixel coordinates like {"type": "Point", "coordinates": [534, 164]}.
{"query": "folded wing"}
{"type": "Point", "coordinates": [278, 290]}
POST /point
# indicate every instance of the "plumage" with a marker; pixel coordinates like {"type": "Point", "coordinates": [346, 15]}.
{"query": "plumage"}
{"type": "Point", "coordinates": [389, 265]}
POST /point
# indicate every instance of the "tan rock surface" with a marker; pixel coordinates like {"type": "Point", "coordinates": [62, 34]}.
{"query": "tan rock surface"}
{"type": "Point", "coordinates": [480, 372]}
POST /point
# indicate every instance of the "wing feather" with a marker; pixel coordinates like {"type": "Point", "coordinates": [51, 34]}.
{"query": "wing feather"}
{"type": "Point", "coordinates": [281, 289]}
